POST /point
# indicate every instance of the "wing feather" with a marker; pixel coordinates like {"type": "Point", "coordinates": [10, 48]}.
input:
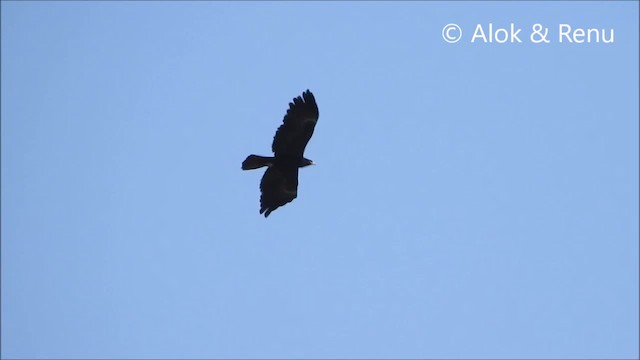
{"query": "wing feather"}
{"type": "Point", "coordinates": [278, 188]}
{"type": "Point", "coordinates": [297, 127]}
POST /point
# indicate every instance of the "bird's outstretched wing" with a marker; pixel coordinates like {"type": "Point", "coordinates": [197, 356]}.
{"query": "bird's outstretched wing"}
{"type": "Point", "coordinates": [278, 188]}
{"type": "Point", "coordinates": [297, 127]}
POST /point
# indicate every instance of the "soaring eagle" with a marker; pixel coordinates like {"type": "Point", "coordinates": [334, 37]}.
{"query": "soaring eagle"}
{"type": "Point", "coordinates": [279, 184]}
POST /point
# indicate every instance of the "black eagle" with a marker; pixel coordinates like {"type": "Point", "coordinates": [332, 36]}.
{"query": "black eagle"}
{"type": "Point", "coordinates": [279, 184]}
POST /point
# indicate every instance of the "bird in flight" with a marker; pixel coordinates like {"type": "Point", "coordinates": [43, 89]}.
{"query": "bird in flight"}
{"type": "Point", "coordinates": [279, 184]}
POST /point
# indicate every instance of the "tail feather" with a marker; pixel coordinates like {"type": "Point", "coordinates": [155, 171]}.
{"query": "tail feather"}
{"type": "Point", "coordinates": [256, 161]}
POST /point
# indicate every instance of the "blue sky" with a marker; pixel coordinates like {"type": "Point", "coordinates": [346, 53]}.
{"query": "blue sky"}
{"type": "Point", "coordinates": [471, 200]}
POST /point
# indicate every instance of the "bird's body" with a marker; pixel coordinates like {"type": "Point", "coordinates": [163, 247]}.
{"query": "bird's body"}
{"type": "Point", "coordinates": [279, 184]}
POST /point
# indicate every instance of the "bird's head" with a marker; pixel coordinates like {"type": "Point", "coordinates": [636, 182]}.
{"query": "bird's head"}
{"type": "Point", "coordinates": [306, 162]}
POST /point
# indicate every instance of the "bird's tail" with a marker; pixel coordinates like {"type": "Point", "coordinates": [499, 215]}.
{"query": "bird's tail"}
{"type": "Point", "coordinates": [255, 161]}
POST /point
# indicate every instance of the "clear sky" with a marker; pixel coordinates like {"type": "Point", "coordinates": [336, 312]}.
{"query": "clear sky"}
{"type": "Point", "coordinates": [471, 200]}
